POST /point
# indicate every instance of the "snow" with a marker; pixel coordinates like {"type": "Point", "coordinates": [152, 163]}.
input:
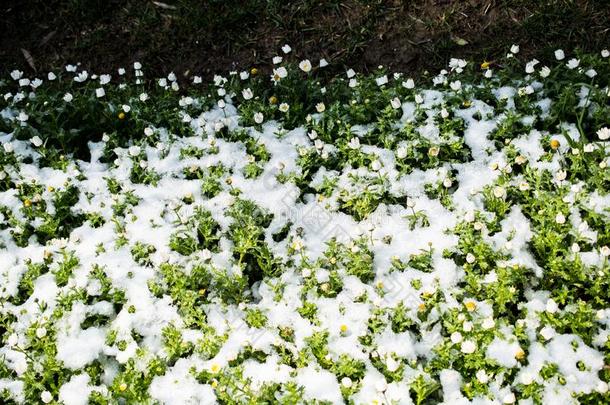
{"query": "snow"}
{"type": "Point", "coordinates": [320, 385]}
{"type": "Point", "coordinates": [76, 391]}
{"type": "Point", "coordinates": [178, 386]}
{"type": "Point", "coordinates": [81, 348]}
{"type": "Point", "coordinates": [357, 319]}
{"type": "Point", "coordinates": [504, 352]}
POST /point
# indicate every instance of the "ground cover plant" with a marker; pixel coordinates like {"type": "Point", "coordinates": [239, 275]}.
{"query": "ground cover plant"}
{"type": "Point", "coordinates": [298, 237]}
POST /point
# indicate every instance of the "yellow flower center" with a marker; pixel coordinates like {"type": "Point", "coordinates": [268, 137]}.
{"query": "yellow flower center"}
{"type": "Point", "coordinates": [555, 144]}
{"type": "Point", "coordinates": [470, 306]}
{"type": "Point", "coordinates": [520, 354]}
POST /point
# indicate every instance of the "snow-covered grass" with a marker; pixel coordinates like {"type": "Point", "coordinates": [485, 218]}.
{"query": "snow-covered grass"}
{"type": "Point", "coordinates": [297, 238]}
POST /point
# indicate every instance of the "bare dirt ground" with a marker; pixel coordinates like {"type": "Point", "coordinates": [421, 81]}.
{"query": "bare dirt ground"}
{"type": "Point", "coordinates": [206, 37]}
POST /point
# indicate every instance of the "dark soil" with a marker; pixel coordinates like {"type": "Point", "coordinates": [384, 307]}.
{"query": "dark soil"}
{"type": "Point", "coordinates": [205, 37]}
